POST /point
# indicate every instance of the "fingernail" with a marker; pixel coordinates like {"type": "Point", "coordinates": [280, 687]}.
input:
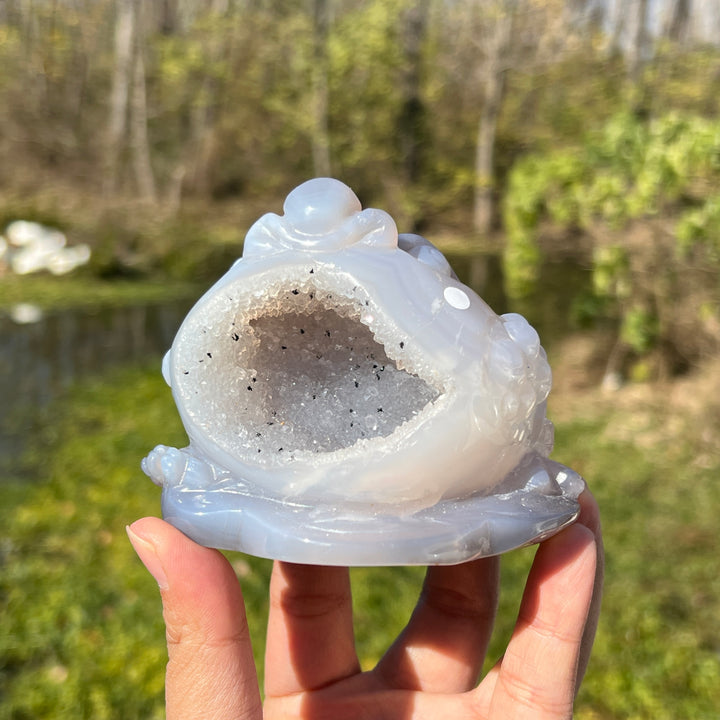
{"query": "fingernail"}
{"type": "Point", "coordinates": [147, 553]}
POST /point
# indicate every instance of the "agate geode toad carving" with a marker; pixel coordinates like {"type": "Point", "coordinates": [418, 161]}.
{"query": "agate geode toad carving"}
{"type": "Point", "coordinates": [349, 401]}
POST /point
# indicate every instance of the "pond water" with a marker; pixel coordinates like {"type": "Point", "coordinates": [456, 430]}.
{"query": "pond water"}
{"type": "Point", "coordinates": [39, 359]}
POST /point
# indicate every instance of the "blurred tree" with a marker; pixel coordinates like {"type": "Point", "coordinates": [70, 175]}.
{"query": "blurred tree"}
{"type": "Point", "coordinates": [638, 52]}
{"type": "Point", "coordinates": [120, 95]}
{"type": "Point", "coordinates": [201, 146]}
{"type": "Point", "coordinates": [495, 43]}
{"type": "Point", "coordinates": [366, 54]}
{"type": "Point", "coordinates": [139, 140]}
{"type": "Point", "coordinates": [423, 106]}
{"type": "Point", "coordinates": [411, 126]}
{"type": "Point", "coordinates": [128, 103]}
{"type": "Point", "coordinates": [643, 194]}
{"type": "Point", "coordinates": [676, 23]}
{"type": "Point", "coordinates": [320, 90]}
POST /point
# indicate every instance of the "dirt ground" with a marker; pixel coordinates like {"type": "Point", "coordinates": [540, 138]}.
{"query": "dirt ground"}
{"type": "Point", "coordinates": [652, 414]}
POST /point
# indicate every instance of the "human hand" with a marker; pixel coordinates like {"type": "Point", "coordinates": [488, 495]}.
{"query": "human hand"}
{"type": "Point", "coordinates": [430, 671]}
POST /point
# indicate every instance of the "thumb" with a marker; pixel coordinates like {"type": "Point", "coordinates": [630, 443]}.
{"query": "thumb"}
{"type": "Point", "coordinates": [211, 671]}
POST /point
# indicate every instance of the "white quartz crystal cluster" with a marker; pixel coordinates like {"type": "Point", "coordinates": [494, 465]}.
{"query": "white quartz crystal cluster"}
{"type": "Point", "coordinates": [319, 382]}
{"type": "Point", "coordinates": [339, 379]}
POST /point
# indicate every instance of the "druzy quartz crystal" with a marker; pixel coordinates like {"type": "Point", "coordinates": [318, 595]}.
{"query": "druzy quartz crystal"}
{"type": "Point", "coordinates": [349, 401]}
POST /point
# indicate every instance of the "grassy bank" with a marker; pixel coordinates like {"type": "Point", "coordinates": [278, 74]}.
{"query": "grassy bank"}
{"type": "Point", "coordinates": [48, 292]}
{"type": "Point", "coordinates": [82, 631]}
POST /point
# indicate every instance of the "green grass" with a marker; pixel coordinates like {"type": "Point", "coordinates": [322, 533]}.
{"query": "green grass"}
{"type": "Point", "coordinates": [80, 290]}
{"type": "Point", "coordinates": [657, 653]}
{"type": "Point", "coordinates": [82, 634]}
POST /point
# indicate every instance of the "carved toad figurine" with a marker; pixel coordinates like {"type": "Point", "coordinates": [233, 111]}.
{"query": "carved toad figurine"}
{"type": "Point", "coordinates": [349, 401]}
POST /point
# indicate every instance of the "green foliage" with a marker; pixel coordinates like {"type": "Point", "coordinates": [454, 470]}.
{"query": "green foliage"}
{"type": "Point", "coordinates": [699, 228]}
{"type": "Point", "coordinates": [537, 185]}
{"type": "Point", "coordinates": [685, 78]}
{"type": "Point", "coordinates": [630, 171]}
{"type": "Point", "coordinates": [230, 105]}
{"type": "Point", "coordinates": [366, 106]}
{"type": "Point", "coordinates": [639, 329]}
{"type": "Point", "coordinates": [611, 272]}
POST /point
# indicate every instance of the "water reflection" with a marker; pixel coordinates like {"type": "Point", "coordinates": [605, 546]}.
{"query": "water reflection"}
{"type": "Point", "coordinates": [40, 359]}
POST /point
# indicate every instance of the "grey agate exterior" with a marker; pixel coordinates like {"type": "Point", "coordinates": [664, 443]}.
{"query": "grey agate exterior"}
{"type": "Point", "coordinates": [467, 476]}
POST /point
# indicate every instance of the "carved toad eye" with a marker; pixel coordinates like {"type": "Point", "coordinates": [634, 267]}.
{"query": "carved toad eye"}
{"type": "Point", "coordinates": [349, 401]}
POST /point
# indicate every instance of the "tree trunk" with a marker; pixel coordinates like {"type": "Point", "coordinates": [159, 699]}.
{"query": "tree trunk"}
{"type": "Point", "coordinates": [140, 143]}
{"type": "Point", "coordinates": [168, 17]}
{"type": "Point", "coordinates": [194, 169]}
{"type": "Point", "coordinates": [639, 50]}
{"type": "Point", "coordinates": [638, 55]}
{"type": "Point", "coordinates": [201, 143]}
{"type": "Point", "coordinates": [498, 43]}
{"type": "Point", "coordinates": [411, 123]}
{"type": "Point", "coordinates": [120, 94]}
{"type": "Point", "coordinates": [677, 21]}
{"type": "Point", "coordinates": [618, 22]}
{"type": "Point", "coordinates": [320, 102]}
